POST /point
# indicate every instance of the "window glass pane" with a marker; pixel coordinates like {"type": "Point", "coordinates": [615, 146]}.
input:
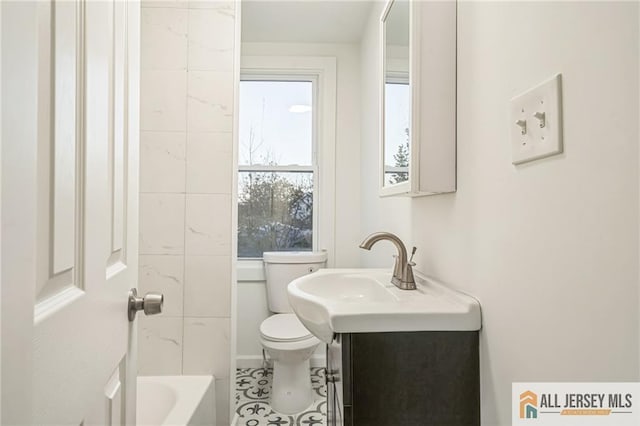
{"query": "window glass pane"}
{"type": "Point", "coordinates": [275, 212]}
{"type": "Point", "coordinates": [276, 125]}
{"type": "Point", "coordinates": [396, 132]}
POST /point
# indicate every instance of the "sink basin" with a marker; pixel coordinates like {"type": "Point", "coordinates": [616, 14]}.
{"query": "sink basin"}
{"type": "Point", "coordinates": [364, 300]}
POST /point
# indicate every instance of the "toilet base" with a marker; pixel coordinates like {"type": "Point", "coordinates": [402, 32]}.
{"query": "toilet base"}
{"type": "Point", "coordinates": [291, 390]}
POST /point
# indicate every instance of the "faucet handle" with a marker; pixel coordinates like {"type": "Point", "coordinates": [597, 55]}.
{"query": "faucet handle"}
{"type": "Point", "coordinates": [413, 251]}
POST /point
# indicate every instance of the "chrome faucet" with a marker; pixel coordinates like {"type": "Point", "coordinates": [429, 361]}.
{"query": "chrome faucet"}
{"type": "Point", "coordinates": [402, 271]}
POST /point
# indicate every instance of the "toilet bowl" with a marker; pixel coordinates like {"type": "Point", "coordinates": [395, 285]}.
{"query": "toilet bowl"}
{"type": "Point", "coordinates": [289, 345]}
{"type": "Point", "coordinates": [287, 342]}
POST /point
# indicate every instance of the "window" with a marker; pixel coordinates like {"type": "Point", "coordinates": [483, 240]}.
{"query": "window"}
{"type": "Point", "coordinates": [286, 184]}
{"type": "Point", "coordinates": [277, 169]}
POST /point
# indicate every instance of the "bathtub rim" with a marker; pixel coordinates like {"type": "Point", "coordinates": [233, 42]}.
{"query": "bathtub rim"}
{"type": "Point", "coordinates": [190, 391]}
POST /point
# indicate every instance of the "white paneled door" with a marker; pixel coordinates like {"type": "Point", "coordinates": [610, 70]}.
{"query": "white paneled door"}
{"type": "Point", "coordinates": [81, 359]}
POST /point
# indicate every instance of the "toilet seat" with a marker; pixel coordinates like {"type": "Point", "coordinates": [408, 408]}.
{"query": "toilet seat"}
{"type": "Point", "coordinates": [284, 328]}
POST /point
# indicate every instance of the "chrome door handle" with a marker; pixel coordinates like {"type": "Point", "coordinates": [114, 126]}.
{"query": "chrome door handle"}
{"type": "Point", "coordinates": [151, 303]}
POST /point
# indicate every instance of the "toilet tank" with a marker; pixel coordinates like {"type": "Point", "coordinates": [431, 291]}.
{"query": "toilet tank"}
{"type": "Point", "coordinates": [282, 267]}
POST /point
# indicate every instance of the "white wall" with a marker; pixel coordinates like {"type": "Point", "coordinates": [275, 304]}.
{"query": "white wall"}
{"type": "Point", "coordinates": [186, 186]}
{"type": "Point", "coordinates": [252, 310]}
{"type": "Point", "coordinates": [378, 214]}
{"type": "Point", "coordinates": [251, 302]}
{"type": "Point", "coordinates": [551, 248]}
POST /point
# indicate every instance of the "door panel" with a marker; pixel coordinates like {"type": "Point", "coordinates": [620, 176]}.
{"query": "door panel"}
{"type": "Point", "coordinates": [66, 133]}
{"type": "Point", "coordinates": [87, 213]}
{"type": "Point", "coordinates": [108, 410]}
{"type": "Point", "coordinates": [118, 137]}
{"type": "Point", "coordinates": [59, 165]}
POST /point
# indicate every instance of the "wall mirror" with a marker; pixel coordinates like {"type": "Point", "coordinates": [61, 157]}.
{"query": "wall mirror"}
{"type": "Point", "coordinates": [397, 94]}
{"type": "Point", "coordinates": [418, 98]}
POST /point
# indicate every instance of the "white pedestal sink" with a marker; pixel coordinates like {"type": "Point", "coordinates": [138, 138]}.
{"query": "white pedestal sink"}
{"type": "Point", "coordinates": [364, 300]}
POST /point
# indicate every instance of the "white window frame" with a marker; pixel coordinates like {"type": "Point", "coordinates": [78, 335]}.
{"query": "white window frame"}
{"type": "Point", "coordinates": [322, 72]}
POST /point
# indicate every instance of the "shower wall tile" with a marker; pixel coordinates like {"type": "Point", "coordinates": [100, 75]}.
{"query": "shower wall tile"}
{"type": "Point", "coordinates": [163, 274]}
{"type": "Point", "coordinates": [211, 36]}
{"type": "Point", "coordinates": [206, 346]}
{"type": "Point", "coordinates": [208, 224]}
{"type": "Point", "coordinates": [162, 161]}
{"type": "Point", "coordinates": [163, 104]}
{"type": "Point", "coordinates": [162, 223]}
{"type": "Point", "coordinates": [187, 93]}
{"type": "Point", "coordinates": [163, 38]}
{"type": "Point", "coordinates": [209, 162]}
{"type": "Point", "coordinates": [207, 292]}
{"type": "Point", "coordinates": [210, 101]}
{"type": "Point", "coordinates": [160, 345]}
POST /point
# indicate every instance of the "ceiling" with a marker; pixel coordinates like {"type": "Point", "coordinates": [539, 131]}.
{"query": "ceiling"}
{"type": "Point", "coordinates": [304, 21]}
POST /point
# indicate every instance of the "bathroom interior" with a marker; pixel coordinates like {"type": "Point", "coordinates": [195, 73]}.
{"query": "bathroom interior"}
{"type": "Point", "coordinates": [347, 212]}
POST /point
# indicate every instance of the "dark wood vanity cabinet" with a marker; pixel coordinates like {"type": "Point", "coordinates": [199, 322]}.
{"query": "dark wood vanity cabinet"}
{"type": "Point", "coordinates": [426, 378]}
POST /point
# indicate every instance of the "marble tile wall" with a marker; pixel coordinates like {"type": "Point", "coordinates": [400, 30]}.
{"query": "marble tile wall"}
{"type": "Point", "coordinates": [187, 72]}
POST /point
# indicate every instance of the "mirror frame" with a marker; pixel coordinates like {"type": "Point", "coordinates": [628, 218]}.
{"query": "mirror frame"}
{"type": "Point", "coordinates": [432, 125]}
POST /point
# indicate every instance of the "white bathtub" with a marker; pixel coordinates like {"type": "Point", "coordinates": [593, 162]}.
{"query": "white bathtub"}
{"type": "Point", "coordinates": [176, 401]}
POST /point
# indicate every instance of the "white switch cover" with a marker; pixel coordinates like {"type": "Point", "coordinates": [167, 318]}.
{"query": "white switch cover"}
{"type": "Point", "coordinates": [536, 122]}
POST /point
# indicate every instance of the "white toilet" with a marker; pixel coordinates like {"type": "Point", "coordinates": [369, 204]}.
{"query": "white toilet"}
{"type": "Point", "coordinates": [287, 342]}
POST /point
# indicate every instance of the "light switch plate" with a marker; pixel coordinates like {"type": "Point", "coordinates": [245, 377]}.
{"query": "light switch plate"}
{"type": "Point", "coordinates": [534, 137]}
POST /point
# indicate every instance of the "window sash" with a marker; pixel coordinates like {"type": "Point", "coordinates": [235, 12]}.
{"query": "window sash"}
{"type": "Point", "coordinates": [275, 75]}
{"type": "Point", "coordinates": [249, 244]}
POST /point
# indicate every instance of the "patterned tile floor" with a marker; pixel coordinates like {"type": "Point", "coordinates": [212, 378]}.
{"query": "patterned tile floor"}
{"type": "Point", "coordinates": [253, 386]}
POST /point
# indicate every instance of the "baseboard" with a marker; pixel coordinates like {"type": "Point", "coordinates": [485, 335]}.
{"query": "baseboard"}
{"type": "Point", "coordinates": [255, 361]}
